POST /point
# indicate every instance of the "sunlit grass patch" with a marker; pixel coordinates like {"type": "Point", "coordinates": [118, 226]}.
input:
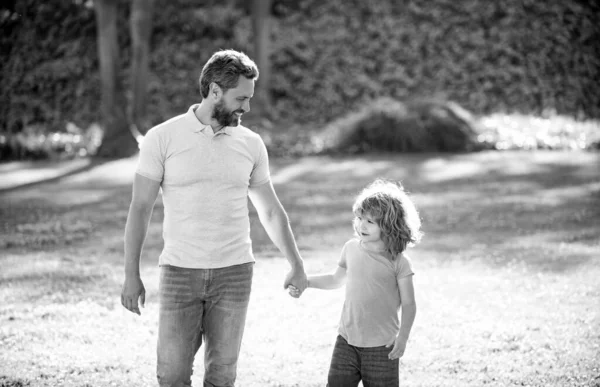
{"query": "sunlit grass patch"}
{"type": "Point", "coordinates": [506, 277]}
{"type": "Point", "coordinates": [527, 132]}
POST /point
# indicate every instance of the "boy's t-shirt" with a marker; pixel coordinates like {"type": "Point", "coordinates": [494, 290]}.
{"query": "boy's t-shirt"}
{"type": "Point", "coordinates": [370, 313]}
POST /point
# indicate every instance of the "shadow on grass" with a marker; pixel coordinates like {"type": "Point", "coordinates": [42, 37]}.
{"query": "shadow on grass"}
{"type": "Point", "coordinates": [85, 167]}
{"type": "Point", "coordinates": [538, 208]}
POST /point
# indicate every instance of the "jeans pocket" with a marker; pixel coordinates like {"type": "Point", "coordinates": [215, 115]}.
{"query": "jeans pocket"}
{"type": "Point", "coordinates": [174, 285]}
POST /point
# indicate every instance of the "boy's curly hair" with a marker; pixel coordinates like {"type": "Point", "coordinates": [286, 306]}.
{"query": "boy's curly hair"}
{"type": "Point", "coordinates": [395, 213]}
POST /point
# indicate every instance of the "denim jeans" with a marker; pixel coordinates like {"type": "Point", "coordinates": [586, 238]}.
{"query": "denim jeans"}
{"type": "Point", "coordinates": [350, 365]}
{"type": "Point", "coordinates": [197, 305]}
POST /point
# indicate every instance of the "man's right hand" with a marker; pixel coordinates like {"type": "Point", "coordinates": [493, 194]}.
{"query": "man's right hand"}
{"type": "Point", "coordinates": [133, 288]}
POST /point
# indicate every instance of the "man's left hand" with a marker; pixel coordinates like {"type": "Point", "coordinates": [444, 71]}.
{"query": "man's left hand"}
{"type": "Point", "coordinates": [297, 278]}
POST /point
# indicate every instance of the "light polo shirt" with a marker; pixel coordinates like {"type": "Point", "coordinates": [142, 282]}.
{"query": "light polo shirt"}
{"type": "Point", "coordinates": [204, 179]}
{"type": "Point", "coordinates": [370, 313]}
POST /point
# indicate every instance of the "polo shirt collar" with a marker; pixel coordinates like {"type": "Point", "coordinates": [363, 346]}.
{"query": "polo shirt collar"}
{"type": "Point", "coordinates": [199, 127]}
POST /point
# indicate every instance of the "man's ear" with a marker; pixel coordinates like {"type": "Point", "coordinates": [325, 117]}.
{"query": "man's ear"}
{"type": "Point", "coordinates": [215, 91]}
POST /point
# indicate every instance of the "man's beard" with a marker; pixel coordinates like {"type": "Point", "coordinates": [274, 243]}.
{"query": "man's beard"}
{"type": "Point", "coordinates": [224, 116]}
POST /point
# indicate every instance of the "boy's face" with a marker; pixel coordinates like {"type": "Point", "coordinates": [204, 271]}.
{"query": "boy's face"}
{"type": "Point", "coordinates": [367, 228]}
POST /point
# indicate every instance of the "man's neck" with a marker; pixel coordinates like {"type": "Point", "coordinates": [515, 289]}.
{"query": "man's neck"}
{"type": "Point", "coordinates": [204, 114]}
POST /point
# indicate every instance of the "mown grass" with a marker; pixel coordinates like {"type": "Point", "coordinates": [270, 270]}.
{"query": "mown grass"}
{"type": "Point", "coordinates": [507, 275]}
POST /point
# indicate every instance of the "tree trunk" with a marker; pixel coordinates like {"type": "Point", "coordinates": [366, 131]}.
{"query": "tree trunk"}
{"type": "Point", "coordinates": [117, 141]}
{"type": "Point", "coordinates": [261, 20]}
{"type": "Point", "coordinates": [141, 31]}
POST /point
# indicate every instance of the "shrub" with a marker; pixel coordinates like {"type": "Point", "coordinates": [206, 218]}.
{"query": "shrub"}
{"type": "Point", "coordinates": [390, 125]}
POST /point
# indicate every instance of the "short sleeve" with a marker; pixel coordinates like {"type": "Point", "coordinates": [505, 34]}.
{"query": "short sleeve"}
{"type": "Point", "coordinates": [403, 266]}
{"type": "Point", "coordinates": [151, 162]}
{"type": "Point", "coordinates": [343, 261]}
{"type": "Point", "coordinates": [260, 172]}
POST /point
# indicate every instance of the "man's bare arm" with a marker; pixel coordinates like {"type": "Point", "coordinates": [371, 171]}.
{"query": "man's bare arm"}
{"type": "Point", "coordinates": [144, 195]}
{"type": "Point", "coordinates": [276, 222]}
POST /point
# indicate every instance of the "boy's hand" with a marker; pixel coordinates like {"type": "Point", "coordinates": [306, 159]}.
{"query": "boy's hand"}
{"type": "Point", "coordinates": [398, 349]}
{"type": "Point", "coordinates": [294, 291]}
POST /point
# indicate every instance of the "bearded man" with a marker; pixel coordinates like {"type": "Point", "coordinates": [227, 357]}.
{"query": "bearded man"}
{"type": "Point", "coordinates": [207, 166]}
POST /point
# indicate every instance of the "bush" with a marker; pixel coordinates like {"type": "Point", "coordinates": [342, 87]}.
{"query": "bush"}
{"type": "Point", "coordinates": [390, 125]}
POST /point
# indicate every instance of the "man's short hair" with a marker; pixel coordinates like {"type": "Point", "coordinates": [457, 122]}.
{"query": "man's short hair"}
{"type": "Point", "coordinates": [224, 68]}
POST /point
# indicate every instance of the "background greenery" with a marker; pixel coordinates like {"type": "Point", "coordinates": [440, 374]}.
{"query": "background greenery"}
{"type": "Point", "coordinates": [329, 57]}
{"type": "Point", "coordinates": [508, 272]}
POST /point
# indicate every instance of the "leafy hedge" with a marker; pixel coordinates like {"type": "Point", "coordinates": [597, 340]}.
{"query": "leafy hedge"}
{"type": "Point", "coordinates": [513, 55]}
{"type": "Point", "coordinates": [329, 57]}
{"type": "Point", "coordinates": [49, 67]}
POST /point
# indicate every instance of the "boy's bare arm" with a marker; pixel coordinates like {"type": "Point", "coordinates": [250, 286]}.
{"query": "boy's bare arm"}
{"type": "Point", "coordinates": [409, 306]}
{"type": "Point", "coordinates": [409, 311]}
{"type": "Point", "coordinates": [328, 281]}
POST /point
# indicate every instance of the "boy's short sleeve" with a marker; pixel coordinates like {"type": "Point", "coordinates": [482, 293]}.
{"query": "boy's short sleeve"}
{"type": "Point", "coordinates": [403, 266]}
{"type": "Point", "coordinates": [343, 261]}
{"type": "Point", "coordinates": [260, 172]}
{"type": "Point", "coordinates": [151, 162]}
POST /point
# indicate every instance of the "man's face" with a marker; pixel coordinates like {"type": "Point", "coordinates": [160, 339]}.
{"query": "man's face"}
{"type": "Point", "coordinates": [233, 103]}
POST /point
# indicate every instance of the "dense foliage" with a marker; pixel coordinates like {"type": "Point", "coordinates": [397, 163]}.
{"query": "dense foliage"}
{"type": "Point", "coordinates": [49, 67]}
{"type": "Point", "coordinates": [514, 55]}
{"type": "Point", "coordinates": [329, 57]}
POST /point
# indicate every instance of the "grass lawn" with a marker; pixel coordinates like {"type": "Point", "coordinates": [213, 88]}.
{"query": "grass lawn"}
{"type": "Point", "coordinates": [507, 275]}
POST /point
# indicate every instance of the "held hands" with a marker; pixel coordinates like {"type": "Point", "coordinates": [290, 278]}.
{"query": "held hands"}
{"type": "Point", "coordinates": [294, 291]}
{"type": "Point", "coordinates": [133, 288]}
{"type": "Point", "coordinates": [399, 346]}
{"type": "Point", "coordinates": [296, 279]}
